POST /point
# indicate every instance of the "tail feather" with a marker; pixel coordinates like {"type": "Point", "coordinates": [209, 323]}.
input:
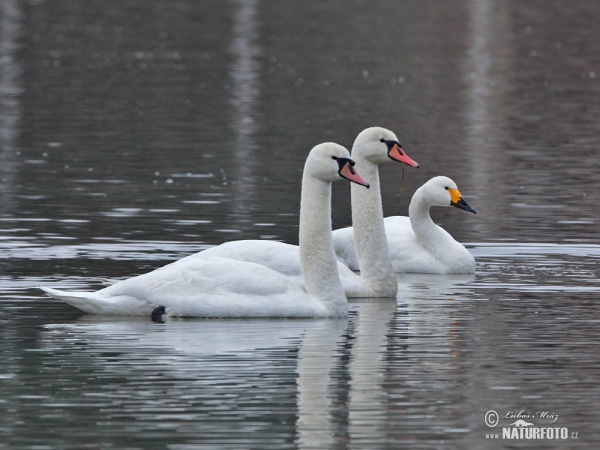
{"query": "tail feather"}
{"type": "Point", "coordinates": [80, 300]}
{"type": "Point", "coordinates": [92, 303]}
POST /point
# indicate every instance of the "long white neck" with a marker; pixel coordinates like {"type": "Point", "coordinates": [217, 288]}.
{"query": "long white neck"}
{"type": "Point", "coordinates": [370, 240]}
{"type": "Point", "coordinates": [453, 256]}
{"type": "Point", "coordinates": [427, 232]}
{"type": "Point", "coordinates": [317, 257]}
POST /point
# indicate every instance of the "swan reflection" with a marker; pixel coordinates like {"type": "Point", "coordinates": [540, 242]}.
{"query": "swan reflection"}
{"type": "Point", "coordinates": [358, 377]}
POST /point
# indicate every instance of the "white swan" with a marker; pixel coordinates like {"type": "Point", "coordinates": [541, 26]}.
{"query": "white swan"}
{"type": "Point", "coordinates": [416, 244]}
{"type": "Point", "coordinates": [372, 147]}
{"type": "Point", "coordinates": [220, 287]}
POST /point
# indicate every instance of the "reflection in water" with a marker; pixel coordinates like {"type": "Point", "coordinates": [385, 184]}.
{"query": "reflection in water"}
{"type": "Point", "coordinates": [316, 360]}
{"type": "Point", "coordinates": [10, 89]}
{"type": "Point", "coordinates": [183, 339]}
{"type": "Point", "coordinates": [209, 355]}
{"type": "Point", "coordinates": [244, 74]}
{"type": "Point", "coordinates": [367, 400]}
{"type": "Point", "coordinates": [478, 75]}
{"type": "Point", "coordinates": [413, 371]}
{"type": "Point", "coordinates": [485, 121]}
{"type": "Point", "coordinates": [396, 358]}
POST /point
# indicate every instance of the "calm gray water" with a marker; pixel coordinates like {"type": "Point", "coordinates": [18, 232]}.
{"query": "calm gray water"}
{"type": "Point", "coordinates": [133, 133]}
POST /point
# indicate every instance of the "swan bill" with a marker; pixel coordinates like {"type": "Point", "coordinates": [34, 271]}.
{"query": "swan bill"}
{"type": "Point", "coordinates": [461, 204]}
{"type": "Point", "coordinates": [397, 154]}
{"type": "Point", "coordinates": [349, 173]}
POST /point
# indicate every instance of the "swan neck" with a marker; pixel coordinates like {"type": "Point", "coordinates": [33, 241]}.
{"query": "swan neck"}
{"type": "Point", "coordinates": [317, 257]}
{"type": "Point", "coordinates": [370, 238]}
{"type": "Point", "coordinates": [426, 231]}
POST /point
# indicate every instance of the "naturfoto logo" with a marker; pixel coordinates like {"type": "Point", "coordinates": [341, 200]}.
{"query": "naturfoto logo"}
{"type": "Point", "coordinates": [523, 425]}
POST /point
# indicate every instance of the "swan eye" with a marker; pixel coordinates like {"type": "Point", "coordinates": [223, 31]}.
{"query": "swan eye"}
{"type": "Point", "coordinates": [382, 140]}
{"type": "Point", "coordinates": [335, 157]}
{"type": "Point", "coordinates": [446, 188]}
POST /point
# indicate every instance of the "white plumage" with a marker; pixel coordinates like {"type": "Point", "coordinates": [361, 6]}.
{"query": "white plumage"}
{"type": "Point", "coordinates": [416, 243]}
{"type": "Point", "coordinates": [372, 147]}
{"type": "Point", "coordinates": [221, 287]}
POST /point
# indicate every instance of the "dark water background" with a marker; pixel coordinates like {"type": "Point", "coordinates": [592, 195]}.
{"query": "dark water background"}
{"type": "Point", "coordinates": [133, 133]}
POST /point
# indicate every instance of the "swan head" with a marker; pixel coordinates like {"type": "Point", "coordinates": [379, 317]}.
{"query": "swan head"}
{"type": "Point", "coordinates": [380, 145]}
{"type": "Point", "coordinates": [331, 162]}
{"type": "Point", "coordinates": [442, 191]}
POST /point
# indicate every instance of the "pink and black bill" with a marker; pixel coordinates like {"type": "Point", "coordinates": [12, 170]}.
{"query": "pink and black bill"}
{"type": "Point", "coordinates": [396, 153]}
{"type": "Point", "coordinates": [348, 172]}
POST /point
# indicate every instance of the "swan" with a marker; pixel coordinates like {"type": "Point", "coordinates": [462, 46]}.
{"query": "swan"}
{"type": "Point", "coordinates": [416, 244]}
{"type": "Point", "coordinates": [221, 287]}
{"type": "Point", "coordinates": [372, 147]}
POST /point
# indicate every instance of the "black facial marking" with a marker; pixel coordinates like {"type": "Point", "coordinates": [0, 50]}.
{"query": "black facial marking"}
{"type": "Point", "coordinates": [343, 161]}
{"type": "Point", "coordinates": [391, 144]}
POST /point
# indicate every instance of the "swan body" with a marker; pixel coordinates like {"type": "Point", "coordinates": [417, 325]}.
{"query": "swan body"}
{"type": "Point", "coordinates": [222, 287]}
{"type": "Point", "coordinates": [372, 147]}
{"type": "Point", "coordinates": [200, 288]}
{"type": "Point", "coordinates": [279, 256]}
{"type": "Point", "coordinates": [416, 243]}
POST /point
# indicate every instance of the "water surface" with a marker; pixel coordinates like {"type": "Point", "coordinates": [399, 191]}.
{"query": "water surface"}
{"type": "Point", "coordinates": [135, 133]}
